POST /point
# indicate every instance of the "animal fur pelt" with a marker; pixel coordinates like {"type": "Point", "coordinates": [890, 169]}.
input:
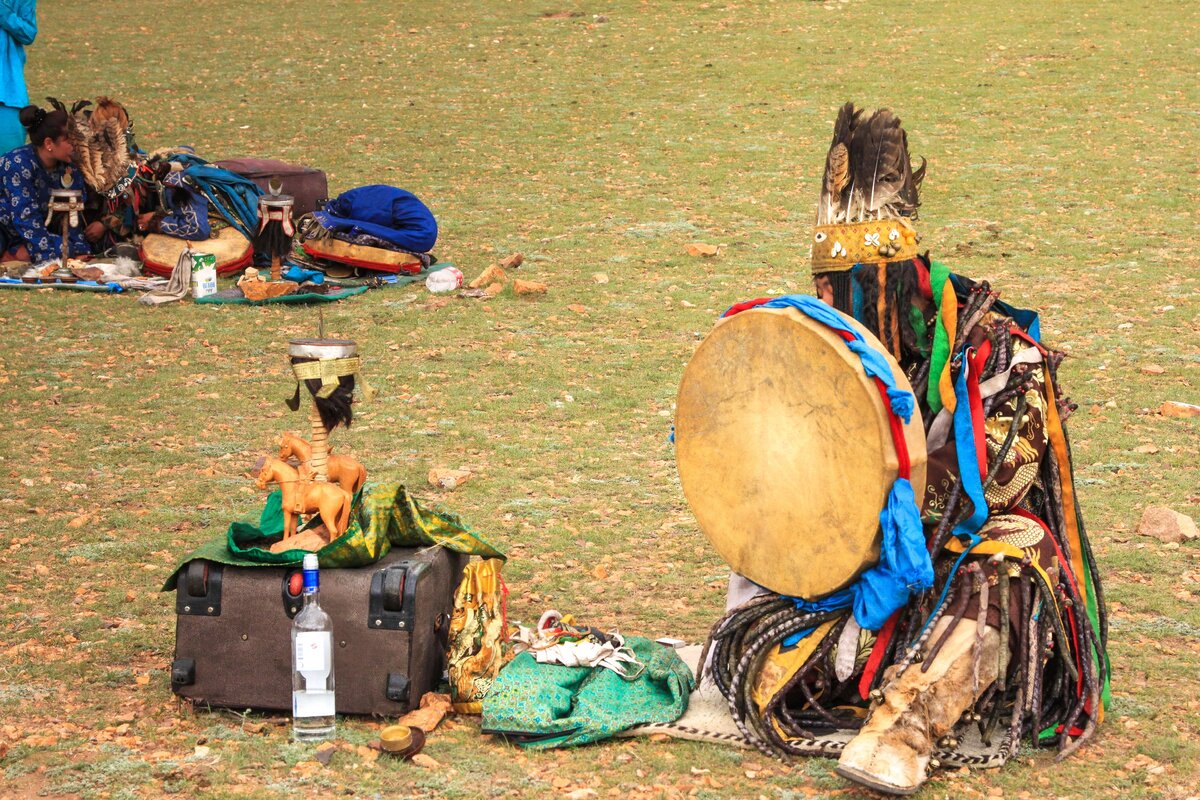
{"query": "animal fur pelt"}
{"type": "Point", "coordinates": [100, 138]}
{"type": "Point", "coordinates": [868, 174]}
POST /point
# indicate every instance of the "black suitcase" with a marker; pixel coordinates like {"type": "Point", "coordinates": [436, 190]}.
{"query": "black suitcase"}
{"type": "Point", "coordinates": [390, 626]}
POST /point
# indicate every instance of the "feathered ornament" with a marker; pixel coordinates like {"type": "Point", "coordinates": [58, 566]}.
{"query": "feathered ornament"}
{"type": "Point", "coordinates": [834, 197]}
{"type": "Point", "coordinates": [327, 369]}
{"type": "Point", "coordinates": [868, 175]}
{"type": "Point", "coordinates": [100, 139]}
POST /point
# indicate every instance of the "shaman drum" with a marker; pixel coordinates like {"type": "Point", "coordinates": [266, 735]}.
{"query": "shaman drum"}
{"type": "Point", "coordinates": [232, 250]}
{"type": "Point", "coordinates": [785, 450]}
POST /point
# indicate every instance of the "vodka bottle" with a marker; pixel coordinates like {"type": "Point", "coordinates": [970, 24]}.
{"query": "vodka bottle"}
{"type": "Point", "coordinates": [312, 663]}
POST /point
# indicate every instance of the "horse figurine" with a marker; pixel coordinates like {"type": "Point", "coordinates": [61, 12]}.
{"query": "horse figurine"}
{"type": "Point", "coordinates": [328, 500]}
{"type": "Point", "coordinates": [342, 470]}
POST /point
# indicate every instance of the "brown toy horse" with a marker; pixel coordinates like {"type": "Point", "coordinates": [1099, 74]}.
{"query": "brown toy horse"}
{"type": "Point", "coordinates": [328, 500]}
{"type": "Point", "coordinates": [342, 470]}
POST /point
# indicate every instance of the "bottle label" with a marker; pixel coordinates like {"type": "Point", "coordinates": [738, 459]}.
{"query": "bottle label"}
{"type": "Point", "coordinates": [312, 580]}
{"type": "Point", "coordinates": [313, 704]}
{"type": "Point", "coordinates": [313, 650]}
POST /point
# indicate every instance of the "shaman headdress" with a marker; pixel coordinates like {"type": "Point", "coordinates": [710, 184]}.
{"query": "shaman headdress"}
{"type": "Point", "coordinates": [868, 194]}
{"type": "Point", "coordinates": [102, 138]}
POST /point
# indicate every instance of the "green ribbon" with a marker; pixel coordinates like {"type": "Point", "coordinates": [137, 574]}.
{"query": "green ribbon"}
{"type": "Point", "coordinates": [939, 273]}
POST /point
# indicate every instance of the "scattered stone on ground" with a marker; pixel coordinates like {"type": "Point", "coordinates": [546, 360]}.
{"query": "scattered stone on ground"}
{"type": "Point", "coordinates": [493, 274]}
{"type": "Point", "coordinates": [1167, 525]}
{"type": "Point", "coordinates": [702, 249]}
{"type": "Point", "coordinates": [442, 478]}
{"type": "Point", "coordinates": [1170, 408]}
{"type": "Point", "coordinates": [513, 261]}
{"type": "Point", "coordinates": [528, 287]}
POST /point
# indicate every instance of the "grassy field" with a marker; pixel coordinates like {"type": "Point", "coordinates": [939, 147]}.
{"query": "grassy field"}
{"type": "Point", "coordinates": [596, 139]}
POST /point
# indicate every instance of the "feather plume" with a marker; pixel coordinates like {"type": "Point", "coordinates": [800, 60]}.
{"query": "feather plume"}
{"type": "Point", "coordinates": [882, 182]}
{"type": "Point", "coordinates": [838, 172]}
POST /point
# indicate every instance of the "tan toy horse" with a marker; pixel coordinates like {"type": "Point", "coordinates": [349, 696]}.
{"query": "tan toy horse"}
{"type": "Point", "coordinates": [342, 470]}
{"type": "Point", "coordinates": [328, 500]}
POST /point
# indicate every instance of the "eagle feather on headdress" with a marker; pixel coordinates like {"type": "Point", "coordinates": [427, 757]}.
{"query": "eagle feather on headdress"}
{"type": "Point", "coordinates": [868, 174]}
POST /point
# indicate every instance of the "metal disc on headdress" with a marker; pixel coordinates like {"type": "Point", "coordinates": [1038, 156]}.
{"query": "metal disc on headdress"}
{"type": "Point", "coordinates": [785, 450]}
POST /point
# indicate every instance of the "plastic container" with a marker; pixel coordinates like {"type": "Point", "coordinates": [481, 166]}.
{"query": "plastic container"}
{"type": "Point", "coordinates": [446, 279]}
{"type": "Point", "coordinates": [204, 275]}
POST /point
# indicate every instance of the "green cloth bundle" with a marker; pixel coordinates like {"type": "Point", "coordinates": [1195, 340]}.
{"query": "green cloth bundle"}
{"type": "Point", "coordinates": [540, 706]}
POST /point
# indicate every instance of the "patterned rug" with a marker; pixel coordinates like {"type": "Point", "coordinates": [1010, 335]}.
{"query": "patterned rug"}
{"type": "Point", "coordinates": [707, 719]}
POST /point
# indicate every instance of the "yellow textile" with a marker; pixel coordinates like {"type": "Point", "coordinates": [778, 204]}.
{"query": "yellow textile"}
{"type": "Point", "coordinates": [779, 667]}
{"type": "Point", "coordinates": [477, 633]}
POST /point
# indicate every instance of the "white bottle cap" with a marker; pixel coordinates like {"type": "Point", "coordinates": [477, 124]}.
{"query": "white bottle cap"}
{"type": "Point", "coordinates": [310, 561]}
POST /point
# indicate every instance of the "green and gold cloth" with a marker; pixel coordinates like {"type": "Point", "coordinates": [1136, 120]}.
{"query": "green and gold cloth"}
{"type": "Point", "coordinates": [383, 516]}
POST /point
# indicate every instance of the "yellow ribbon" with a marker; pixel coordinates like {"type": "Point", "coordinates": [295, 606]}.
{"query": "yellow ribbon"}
{"type": "Point", "coordinates": [327, 370]}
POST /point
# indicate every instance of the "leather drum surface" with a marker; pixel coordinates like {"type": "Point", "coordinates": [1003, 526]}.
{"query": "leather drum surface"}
{"type": "Point", "coordinates": [785, 452]}
{"type": "Point", "coordinates": [232, 250]}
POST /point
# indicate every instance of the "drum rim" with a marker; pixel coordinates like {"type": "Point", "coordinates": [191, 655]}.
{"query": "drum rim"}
{"type": "Point", "coordinates": [724, 541]}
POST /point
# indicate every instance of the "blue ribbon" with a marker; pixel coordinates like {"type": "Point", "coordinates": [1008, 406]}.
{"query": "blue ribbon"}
{"type": "Point", "coordinates": [968, 470]}
{"type": "Point", "coordinates": [968, 462]}
{"type": "Point", "coordinates": [904, 565]}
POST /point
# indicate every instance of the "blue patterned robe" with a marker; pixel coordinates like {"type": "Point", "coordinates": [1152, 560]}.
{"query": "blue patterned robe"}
{"type": "Point", "coordinates": [187, 210]}
{"type": "Point", "coordinates": [25, 186]}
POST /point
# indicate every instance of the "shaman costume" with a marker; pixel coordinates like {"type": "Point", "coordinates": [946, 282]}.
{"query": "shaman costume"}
{"type": "Point", "coordinates": [1003, 637]}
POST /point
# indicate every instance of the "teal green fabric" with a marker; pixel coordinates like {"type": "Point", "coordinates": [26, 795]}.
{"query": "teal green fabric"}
{"type": "Point", "coordinates": [541, 706]}
{"type": "Point", "coordinates": [223, 298]}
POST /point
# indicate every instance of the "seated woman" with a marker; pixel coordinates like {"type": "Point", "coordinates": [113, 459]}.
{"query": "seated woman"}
{"type": "Point", "coordinates": [27, 175]}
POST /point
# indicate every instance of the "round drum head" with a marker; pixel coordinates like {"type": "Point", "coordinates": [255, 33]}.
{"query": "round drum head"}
{"type": "Point", "coordinates": [231, 249]}
{"type": "Point", "coordinates": [785, 451]}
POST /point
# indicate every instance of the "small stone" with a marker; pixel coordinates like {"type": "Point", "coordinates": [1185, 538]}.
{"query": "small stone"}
{"type": "Point", "coordinates": [529, 287]}
{"type": "Point", "coordinates": [1167, 525]}
{"type": "Point", "coordinates": [702, 249]}
{"type": "Point", "coordinates": [1153, 369]}
{"type": "Point", "coordinates": [1173, 409]}
{"type": "Point", "coordinates": [600, 277]}
{"type": "Point", "coordinates": [493, 274]}
{"type": "Point", "coordinates": [441, 478]}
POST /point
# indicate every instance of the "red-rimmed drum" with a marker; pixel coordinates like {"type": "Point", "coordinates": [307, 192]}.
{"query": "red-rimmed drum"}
{"type": "Point", "coordinates": [785, 450]}
{"type": "Point", "coordinates": [232, 250]}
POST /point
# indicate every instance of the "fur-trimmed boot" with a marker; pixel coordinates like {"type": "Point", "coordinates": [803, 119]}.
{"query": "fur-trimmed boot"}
{"type": "Point", "coordinates": [892, 750]}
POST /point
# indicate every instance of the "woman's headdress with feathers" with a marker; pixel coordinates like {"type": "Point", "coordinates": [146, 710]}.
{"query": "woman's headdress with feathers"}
{"type": "Point", "coordinates": [101, 140]}
{"type": "Point", "coordinates": [869, 192]}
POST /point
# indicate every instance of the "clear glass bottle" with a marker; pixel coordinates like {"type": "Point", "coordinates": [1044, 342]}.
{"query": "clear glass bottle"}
{"type": "Point", "coordinates": [313, 703]}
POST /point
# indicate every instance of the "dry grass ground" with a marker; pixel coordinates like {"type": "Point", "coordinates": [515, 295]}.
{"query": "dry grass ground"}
{"type": "Point", "coordinates": [602, 139]}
